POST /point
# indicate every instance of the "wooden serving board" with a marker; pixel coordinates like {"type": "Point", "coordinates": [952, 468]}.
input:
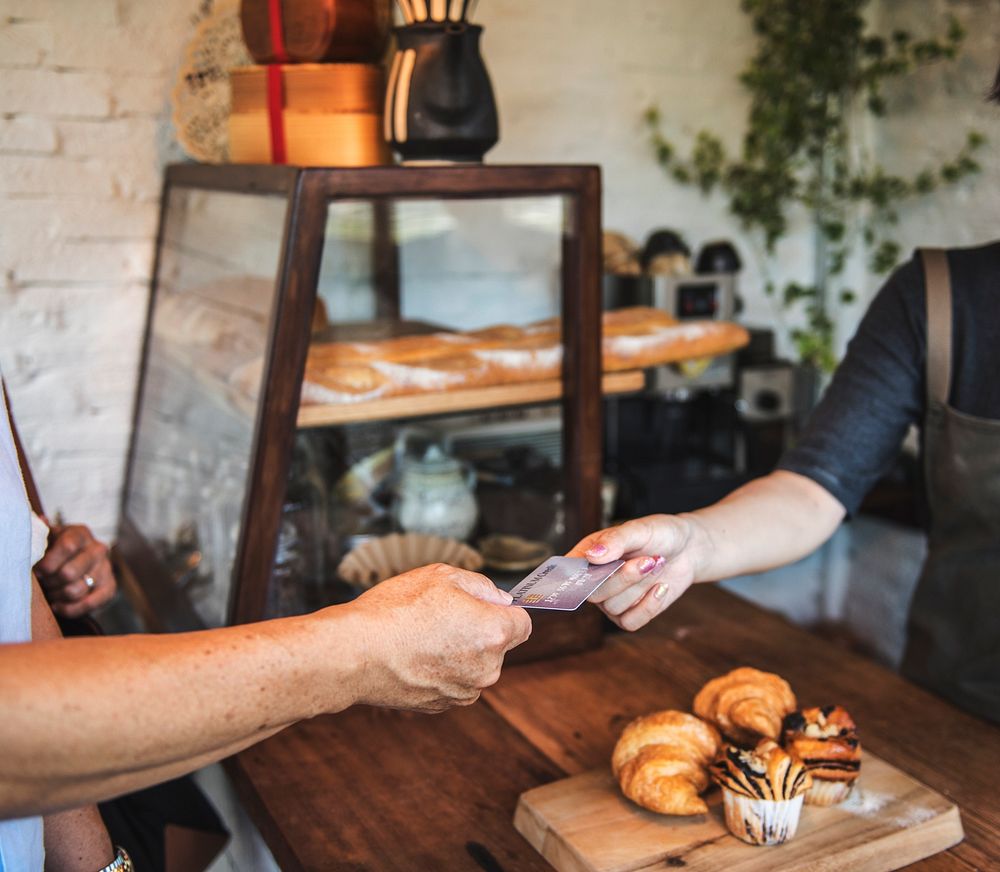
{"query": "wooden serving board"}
{"type": "Point", "coordinates": [584, 824]}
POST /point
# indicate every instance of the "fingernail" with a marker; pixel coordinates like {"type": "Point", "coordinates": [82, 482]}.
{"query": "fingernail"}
{"type": "Point", "coordinates": [598, 550]}
{"type": "Point", "coordinates": [660, 562]}
{"type": "Point", "coordinates": [646, 565]}
{"type": "Point", "coordinates": [505, 595]}
{"type": "Point", "coordinates": [660, 591]}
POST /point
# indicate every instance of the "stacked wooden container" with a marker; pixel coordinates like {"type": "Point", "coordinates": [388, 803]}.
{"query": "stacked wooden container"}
{"type": "Point", "coordinates": [315, 98]}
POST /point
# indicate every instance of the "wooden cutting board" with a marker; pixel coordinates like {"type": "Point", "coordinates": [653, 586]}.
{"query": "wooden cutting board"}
{"type": "Point", "coordinates": [584, 824]}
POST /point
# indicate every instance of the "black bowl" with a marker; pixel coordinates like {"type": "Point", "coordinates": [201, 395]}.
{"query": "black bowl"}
{"type": "Point", "coordinates": [718, 256]}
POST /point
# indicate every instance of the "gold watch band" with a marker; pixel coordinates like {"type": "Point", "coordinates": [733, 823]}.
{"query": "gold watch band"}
{"type": "Point", "coordinates": [121, 863]}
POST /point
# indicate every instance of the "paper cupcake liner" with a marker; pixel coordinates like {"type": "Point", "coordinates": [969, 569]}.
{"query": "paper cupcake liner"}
{"type": "Point", "coordinates": [825, 792]}
{"type": "Point", "coordinates": [761, 821]}
{"type": "Point", "coordinates": [378, 559]}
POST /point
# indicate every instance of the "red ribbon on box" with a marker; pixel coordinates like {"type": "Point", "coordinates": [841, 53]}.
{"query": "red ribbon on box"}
{"type": "Point", "coordinates": [275, 84]}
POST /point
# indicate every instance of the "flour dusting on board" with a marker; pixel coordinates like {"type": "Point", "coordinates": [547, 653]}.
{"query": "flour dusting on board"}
{"type": "Point", "coordinates": [914, 816]}
{"type": "Point", "coordinates": [865, 803]}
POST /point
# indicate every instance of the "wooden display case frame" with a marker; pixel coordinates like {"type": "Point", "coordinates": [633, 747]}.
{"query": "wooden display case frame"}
{"type": "Point", "coordinates": [308, 192]}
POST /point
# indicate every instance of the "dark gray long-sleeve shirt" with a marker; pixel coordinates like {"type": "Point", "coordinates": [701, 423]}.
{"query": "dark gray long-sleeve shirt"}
{"type": "Point", "coordinates": [878, 391]}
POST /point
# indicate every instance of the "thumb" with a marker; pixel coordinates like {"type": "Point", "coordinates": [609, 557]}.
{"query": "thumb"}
{"type": "Point", "coordinates": [629, 538]}
{"type": "Point", "coordinates": [482, 588]}
{"type": "Point", "coordinates": [490, 593]}
{"type": "Point", "coordinates": [607, 545]}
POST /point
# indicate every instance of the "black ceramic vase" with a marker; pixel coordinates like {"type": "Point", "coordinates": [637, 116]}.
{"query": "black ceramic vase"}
{"type": "Point", "coordinates": [439, 105]}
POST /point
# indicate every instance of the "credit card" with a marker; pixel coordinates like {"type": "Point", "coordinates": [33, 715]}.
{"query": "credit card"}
{"type": "Point", "coordinates": [562, 583]}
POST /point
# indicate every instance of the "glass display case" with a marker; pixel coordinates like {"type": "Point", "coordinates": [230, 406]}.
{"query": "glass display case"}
{"type": "Point", "coordinates": [349, 372]}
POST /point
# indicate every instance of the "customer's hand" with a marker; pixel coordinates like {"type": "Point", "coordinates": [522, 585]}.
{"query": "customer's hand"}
{"type": "Point", "coordinates": [435, 637]}
{"type": "Point", "coordinates": [73, 557]}
{"type": "Point", "coordinates": [662, 559]}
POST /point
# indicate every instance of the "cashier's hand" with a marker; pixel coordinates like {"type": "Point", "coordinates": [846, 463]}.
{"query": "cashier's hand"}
{"type": "Point", "coordinates": [75, 572]}
{"type": "Point", "coordinates": [661, 564]}
{"type": "Point", "coordinates": [435, 637]}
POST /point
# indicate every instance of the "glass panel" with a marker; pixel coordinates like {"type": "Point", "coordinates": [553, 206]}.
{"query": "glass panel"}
{"type": "Point", "coordinates": [194, 431]}
{"type": "Point", "coordinates": [434, 393]}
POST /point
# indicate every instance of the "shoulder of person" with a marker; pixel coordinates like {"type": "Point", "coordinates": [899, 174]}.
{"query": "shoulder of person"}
{"type": "Point", "coordinates": [904, 292]}
{"type": "Point", "coordinates": [974, 270]}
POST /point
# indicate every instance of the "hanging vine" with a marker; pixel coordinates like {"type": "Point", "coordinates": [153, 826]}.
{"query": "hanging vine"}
{"type": "Point", "coordinates": [816, 69]}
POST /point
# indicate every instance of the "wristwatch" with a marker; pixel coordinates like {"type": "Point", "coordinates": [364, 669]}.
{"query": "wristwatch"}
{"type": "Point", "coordinates": [121, 863]}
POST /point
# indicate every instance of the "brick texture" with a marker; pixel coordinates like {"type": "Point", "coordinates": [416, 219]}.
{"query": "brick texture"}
{"type": "Point", "coordinates": [84, 133]}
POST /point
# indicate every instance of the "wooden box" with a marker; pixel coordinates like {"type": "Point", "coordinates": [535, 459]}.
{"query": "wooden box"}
{"type": "Point", "coordinates": [331, 115]}
{"type": "Point", "coordinates": [316, 30]}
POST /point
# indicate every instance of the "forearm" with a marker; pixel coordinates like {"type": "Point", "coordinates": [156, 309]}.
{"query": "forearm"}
{"type": "Point", "coordinates": [76, 841]}
{"type": "Point", "coordinates": [86, 718]}
{"type": "Point", "coordinates": [768, 522]}
{"type": "Point", "coordinates": [128, 782]}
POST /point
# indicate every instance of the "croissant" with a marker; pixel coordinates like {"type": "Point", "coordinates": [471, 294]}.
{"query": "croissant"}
{"type": "Point", "coordinates": [661, 762]}
{"type": "Point", "coordinates": [746, 704]}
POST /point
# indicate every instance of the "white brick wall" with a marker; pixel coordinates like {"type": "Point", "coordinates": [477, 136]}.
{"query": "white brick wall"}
{"type": "Point", "coordinates": [84, 115]}
{"type": "Point", "coordinates": [84, 132]}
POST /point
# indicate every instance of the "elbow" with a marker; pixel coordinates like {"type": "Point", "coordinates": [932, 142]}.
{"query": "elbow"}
{"type": "Point", "coordinates": [818, 509]}
{"type": "Point", "coordinates": [19, 801]}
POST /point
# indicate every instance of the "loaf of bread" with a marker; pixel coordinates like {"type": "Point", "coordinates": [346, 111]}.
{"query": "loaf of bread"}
{"type": "Point", "coordinates": [661, 762]}
{"type": "Point", "coordinates": [634, 338]}
{"type": "Point", "coordinates": [655, 345]}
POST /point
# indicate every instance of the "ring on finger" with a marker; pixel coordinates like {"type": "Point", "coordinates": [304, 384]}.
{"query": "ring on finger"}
{"type": "Point", "coordinates": [89, 581]}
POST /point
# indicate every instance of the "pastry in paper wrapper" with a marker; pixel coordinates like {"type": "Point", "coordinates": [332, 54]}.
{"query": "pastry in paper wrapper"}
{"type": "Point", "coordinates": [826, 741]}
{"type": "Point", "coordinates": [762, 792]}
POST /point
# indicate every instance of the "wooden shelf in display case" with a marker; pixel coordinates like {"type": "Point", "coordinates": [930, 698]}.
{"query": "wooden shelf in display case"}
{"type": "Point", "coordinates": [417, 405]}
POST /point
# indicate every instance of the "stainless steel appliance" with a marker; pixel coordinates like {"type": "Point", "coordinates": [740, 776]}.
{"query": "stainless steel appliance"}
{"type": "Point", "coordinates": [766, 406]}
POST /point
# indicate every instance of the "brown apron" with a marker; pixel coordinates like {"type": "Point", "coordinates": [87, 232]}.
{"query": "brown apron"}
{"type": "Point", "coordinates": [954, 633]}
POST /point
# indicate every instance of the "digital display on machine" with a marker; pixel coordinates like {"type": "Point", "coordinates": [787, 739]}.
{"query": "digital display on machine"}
{"type": "Point", "coordinates": [697, 300]}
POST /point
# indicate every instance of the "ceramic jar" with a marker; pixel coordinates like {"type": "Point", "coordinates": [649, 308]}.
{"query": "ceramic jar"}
{"type": "Point", "coordinates": [435, 495]}
{"type": "Point", "coordinates": [439, 103]}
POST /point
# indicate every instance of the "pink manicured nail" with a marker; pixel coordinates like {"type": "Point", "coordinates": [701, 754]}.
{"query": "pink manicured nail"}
{"type": "Point", "coordinates": [598, 550]}
{"type": "Point", "coordinates": [647, 565]}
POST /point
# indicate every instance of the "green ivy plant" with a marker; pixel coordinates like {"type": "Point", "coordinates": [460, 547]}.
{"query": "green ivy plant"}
{"type": "Point", "coordinates": [816, 70]}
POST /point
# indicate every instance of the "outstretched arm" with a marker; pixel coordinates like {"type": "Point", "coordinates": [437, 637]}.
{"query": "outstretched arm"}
{"type": "Point", "coordinates": [89, 718]}
{"type": "Point", "coordinates": [768, 522]}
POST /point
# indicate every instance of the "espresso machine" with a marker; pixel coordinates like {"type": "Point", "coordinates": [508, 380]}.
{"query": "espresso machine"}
{"type": "Point", "coordinates": [701, 428]}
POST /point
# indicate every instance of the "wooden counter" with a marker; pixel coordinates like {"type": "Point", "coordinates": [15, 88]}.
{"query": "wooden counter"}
{"type": "Point", "coordinates": [377, 790]}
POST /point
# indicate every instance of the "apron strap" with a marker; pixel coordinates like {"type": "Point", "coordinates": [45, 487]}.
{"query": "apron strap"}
{"type": "Point", "coordinates": [937, 281]}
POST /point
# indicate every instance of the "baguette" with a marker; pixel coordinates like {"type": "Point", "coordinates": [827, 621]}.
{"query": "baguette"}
{"type": "Point", "coordinates": [634, 338]}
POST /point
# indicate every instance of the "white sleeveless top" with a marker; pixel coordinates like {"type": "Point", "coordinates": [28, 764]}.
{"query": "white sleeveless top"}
{"type": "Point", "coordinates": [20, 840]}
